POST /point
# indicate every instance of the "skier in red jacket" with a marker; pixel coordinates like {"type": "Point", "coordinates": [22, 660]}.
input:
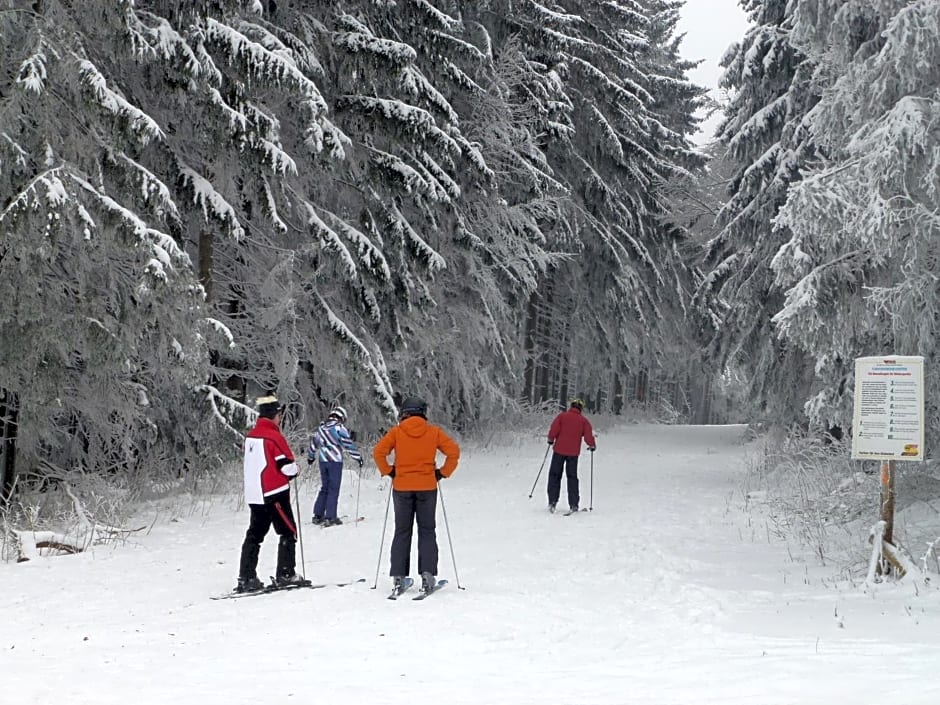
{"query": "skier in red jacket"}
{"type": "Point", "coordinates": [269, 467]}
{"type": "Point", "coordinates": [565, 434]}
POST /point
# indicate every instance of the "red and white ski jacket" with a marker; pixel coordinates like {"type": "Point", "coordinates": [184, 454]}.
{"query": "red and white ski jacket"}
{"type": "Point", "coordinates": [269, 464]}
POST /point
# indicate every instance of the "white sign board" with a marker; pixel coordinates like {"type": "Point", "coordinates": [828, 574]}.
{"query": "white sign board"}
{"type": "Point", "coordinates": [888, 422]}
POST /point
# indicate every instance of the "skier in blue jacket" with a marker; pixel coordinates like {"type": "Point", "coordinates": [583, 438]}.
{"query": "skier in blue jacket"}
{"type": "Point", "coordinates": [327, 445]}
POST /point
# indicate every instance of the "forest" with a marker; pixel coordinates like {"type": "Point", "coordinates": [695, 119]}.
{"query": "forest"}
{"type": "Point", "coordinates": [495, 205]}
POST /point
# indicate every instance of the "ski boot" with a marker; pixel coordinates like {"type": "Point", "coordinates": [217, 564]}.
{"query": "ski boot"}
{"type": "Point", "coordinates": [287, 579]}
{"type": "Point", "coordinates": [250, 584]}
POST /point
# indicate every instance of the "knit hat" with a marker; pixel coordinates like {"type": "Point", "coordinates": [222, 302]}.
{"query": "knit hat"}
{"type": "Point", "coordinates": [269, 407]}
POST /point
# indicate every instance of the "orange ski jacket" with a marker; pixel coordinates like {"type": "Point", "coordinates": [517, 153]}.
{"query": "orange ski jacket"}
{"type": "Point", "coordinates": [415, 443]}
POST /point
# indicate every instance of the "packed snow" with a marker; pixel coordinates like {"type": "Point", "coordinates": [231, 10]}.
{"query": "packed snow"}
{"type": "Point", "coordinates": [667, 591]}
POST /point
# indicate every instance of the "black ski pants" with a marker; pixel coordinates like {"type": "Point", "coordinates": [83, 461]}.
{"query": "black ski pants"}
{"type": "Point", "coordinates": [411, 506]}
{"type": "Point", "coordinates": [275, 511]}
{"type": "Point", "coordinates": [569, 465]}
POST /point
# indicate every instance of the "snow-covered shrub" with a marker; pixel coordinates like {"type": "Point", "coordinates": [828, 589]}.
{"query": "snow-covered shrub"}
{"type": "Point", "coordinates": [814, 493]}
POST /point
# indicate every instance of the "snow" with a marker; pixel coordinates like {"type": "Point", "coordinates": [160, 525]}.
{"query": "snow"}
{"type": "Point", "coordinates": [667, 592]}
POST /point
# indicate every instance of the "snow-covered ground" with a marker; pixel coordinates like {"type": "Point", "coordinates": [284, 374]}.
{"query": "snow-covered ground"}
{"type": "Point", "coordinates": [665, 593]}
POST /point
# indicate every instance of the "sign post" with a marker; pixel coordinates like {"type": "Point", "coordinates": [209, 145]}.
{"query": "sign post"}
{"type": "Point", "coordinates": [888, 420]}
{"type": "Point", "coordinates": [887, 499]}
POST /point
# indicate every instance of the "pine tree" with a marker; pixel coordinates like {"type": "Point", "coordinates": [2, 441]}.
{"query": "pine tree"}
{"type": "Point", "coordinates": [770, 84]}
{"type": "Point", "coordinates": [102, 314]}
{"type": "Point", "coordinates": [136, 136]}
{"type": "Point", "coordinates": [860, 264]}
{"type": "Point", "coordinates": [382, 218]}
{"type": "Point", "coordinates": [615, 129]}
{"type": "Point", "coordinates": [430, 247]}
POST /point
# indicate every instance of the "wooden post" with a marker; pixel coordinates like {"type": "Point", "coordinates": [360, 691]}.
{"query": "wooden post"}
{"type": "Point", "coordinates": [887, 499]}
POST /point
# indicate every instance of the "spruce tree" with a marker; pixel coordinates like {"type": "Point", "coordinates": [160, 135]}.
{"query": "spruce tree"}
{"type": "Point", "coordinates": [615, 129]}
{"type": "Point", "coordinates": [771, 91]}
{"type": "Point", "coordinates": [859, 265]}
{"type": "Point", "coordinates": [142, 135]}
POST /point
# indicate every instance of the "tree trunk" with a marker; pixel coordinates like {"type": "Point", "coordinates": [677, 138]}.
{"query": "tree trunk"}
{"type": "Point", "coordinates": [703, 400]}
{"type": "Point", "coordinates": [641, 388]}
{"type": "Point", "coordinates": [9, 408]}
{"type": "Point", "coordinates": [617, 406]}
{"type": "Point", "coordinates": [206, 244]}
{"type": "Point", "coordinates": [529, 345]}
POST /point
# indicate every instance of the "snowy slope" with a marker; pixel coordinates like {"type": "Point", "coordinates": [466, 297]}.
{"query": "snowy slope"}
{"type": "Point", "coordinates": [665, 593]}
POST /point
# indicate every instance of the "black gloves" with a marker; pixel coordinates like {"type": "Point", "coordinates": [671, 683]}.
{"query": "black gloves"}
{"type": "Point", "coordinates": [438, 474]}
{"type": "Point", "coordinates": [592, 448]}
{"type": "Point", "coordinates": [392, 473]}
{"type": "Point", "coordinates": [551, 442]}
{"type": "Point", "coordinates": [361, 461]}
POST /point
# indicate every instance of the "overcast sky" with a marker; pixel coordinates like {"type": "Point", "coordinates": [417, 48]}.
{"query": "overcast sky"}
{"type": "Point", "coordinates": [710, 27]}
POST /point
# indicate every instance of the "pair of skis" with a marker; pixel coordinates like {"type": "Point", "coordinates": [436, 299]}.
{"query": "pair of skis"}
{"type": "Point", "coordinates": [345, 519]}
{"type": "Point", "coordinates": [274, 587]}
{"type": "Point", "coordinates": [407, 583]}
{"type": "Point", "coordinates": [568, 513]}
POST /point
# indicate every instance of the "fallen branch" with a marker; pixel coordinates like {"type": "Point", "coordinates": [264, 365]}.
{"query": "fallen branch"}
{"type": "Point", "coordinates": [30, 543]}
{"type": "Point", "coordinates": [117, 531]}
{"type": "Point", "coordinates": [902, 564]}
{"type": "Point", "coordinates": [883, 553]}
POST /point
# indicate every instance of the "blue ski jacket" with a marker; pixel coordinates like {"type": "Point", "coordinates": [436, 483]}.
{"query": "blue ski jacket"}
{"type": "Point", "coordinates": [329, 441]}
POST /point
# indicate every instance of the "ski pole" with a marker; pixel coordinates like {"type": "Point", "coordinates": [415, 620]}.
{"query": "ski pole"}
{"type": "Point", "coordinates": [382, 542]}
{"type": "Point", "coordinates": [300, 535]}
{"type": "Point", "coordinates": [358, 487]}
{"type": "Point", "coordinates": [541, 467]}
{"type": "Point", "coordinates": [449, 542]}
{"type": "Point", "coordinates": [591, 506]}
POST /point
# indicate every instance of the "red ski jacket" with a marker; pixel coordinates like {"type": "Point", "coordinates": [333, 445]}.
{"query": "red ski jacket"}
{"type": "Point", "coordinates": [269, 464]}
{"type": "Point", "coordinates": [567, 430]}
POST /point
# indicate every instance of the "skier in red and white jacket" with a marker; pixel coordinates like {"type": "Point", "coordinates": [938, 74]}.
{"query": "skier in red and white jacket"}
{"type": "Point", "coordinates": [269, 467]}
{"type": "Point", "coordinates": [566, 432]}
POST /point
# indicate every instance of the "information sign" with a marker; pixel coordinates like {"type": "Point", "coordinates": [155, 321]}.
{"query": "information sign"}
{"type": "Point", "coordinates": [888, 420]}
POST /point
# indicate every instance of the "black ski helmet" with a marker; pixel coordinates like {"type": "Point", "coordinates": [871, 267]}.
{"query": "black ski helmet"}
{"type": "Point", "coordinates": [413, 406]}
{"type": "Point", "coordinates": [578, 404]}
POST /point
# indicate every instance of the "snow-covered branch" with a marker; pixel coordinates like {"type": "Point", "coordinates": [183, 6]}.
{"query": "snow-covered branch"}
{"type": "Point", "coordinates": [140, 123]}
{"type": "Point", "coordinates": [211, 201]}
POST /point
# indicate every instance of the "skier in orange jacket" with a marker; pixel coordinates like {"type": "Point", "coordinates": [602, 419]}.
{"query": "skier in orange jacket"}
{"type": "Point", "coordinates": [415, 475]}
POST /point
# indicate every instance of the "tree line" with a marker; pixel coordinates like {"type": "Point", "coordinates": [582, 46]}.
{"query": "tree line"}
{"type": "Point", "coordinates": [488, 204]}
{"type": "Point", "coordinates": [340, 201]}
